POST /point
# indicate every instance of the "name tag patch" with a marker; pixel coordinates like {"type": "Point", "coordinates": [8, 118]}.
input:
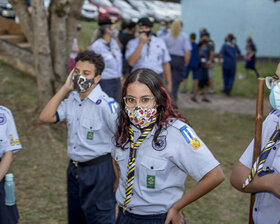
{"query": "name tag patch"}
{"type": "Point", "coordinates": [151, 181]}
{"type": "Point", "coordinates": [90, 135]}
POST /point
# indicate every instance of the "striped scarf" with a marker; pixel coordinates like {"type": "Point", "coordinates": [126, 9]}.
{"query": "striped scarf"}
{"type": "Point", "coordinates": [131, 162]}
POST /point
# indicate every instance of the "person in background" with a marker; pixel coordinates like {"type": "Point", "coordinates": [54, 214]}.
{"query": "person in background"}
{"type": "Point", "coordinates": [250, 57]}
{"type": "Point", "coordinates": [163, 29]}
{"type": "Point", "coordinates": [202, 73]}
{"type": "Point", "coordinates": [107, 46]}
{"type": "Point", "coordinates": [229, 53]}
{"type": "Point", "coordinates": [156, 152]}
{"type": "Point", "coordinates": [211, 59]}
{"type": "Point", "coordinates": [91, 117]}
{"type": "Point", "coordinates": [148, 51]}
{"type": "Point", "coordinates": [124, 37]}
{"type": "Point", "coordinates": [9, 144]}
{"type": "Point", "coordinates": [192, 66]}
{"type": "Point", "coordinates": [265, 182]}
{"type": "Point", "coordinates": [179, 48]}
{"type": "Point", "coordinates": [75, 48]}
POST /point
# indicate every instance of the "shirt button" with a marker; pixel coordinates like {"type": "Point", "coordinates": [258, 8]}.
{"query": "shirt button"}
{"type": "Point", "coordinates": [74, 147]}
{"type": "Point", "coordinates": [90, 127]}
{"type": "Point", "coordinates": [256, 209]}
{"type": "Point", "coordinates": [77, 119]}
{"type": "Point", "coordinates": [152, 167]}
{"type": "Point", "coordinates": [274, 148]}
{"type": "Point", "coordinates": [80, 104]}
{"type": "Point", "coordinates": [130, 209]}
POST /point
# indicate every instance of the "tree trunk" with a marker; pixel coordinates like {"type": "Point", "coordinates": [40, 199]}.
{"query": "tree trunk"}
{"type": "Point", "coordinates": [51, 37]}
{"type": "Point", "coordinates": [42, 53]}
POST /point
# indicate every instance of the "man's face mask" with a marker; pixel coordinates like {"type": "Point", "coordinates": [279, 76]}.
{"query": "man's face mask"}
{"type": "Point", "coordinates": [148, 33]}
{"type": "Point", "coordinates": [81, 83]}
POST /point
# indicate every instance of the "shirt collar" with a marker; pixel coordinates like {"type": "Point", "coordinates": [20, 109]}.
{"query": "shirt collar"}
{"type": "Point", "coordinates": [94, 95]}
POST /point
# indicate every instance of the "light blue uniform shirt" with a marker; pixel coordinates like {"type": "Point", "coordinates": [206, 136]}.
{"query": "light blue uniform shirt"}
{"type": "Point", "coordinates": [181, 153]}
{"type": "Point", "coordinates": [91, 124]}
{"type": "Point", "coordinates": [267, 205]}
{"type": "Point", "coordinates": [163, 33]}
{"type": "Point", "coordinates": [9, 140]}
{"type": "Point", "coordinates": [153, 54]}
{"type": "Point", "coordinates": [178, 46]}
{"type": "Point", "coordinates": [112, 58]}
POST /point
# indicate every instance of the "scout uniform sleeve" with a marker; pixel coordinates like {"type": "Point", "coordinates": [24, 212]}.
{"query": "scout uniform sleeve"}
{"type": "Point", "coordinates": [166, 56]}
{"type": "Point", "coordinates": [130, 48]}
{"type": "Point", "coordinates": [61, 111]}
{"type": "Point", "coordinates": [9, 140]}
{"type": "Point", "coordinates": [192, 155]}
{"type": "Point", "coordinates": [112, 116]}
{"type": "Point", "coordinates": [268, 128]}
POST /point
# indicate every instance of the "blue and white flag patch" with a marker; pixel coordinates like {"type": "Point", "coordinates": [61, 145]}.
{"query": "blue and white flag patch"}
{"type": "Point", "coordinates": [113, 106]}
{"type": "Point", "coordinates": [190, 137]}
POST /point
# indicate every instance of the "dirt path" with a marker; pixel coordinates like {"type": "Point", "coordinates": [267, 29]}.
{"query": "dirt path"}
{"type": "Point", "coordinates": [222, 104]}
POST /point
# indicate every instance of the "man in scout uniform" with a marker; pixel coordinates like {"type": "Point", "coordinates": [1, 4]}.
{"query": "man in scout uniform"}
{"type": "Point", "coordinates": [91, 117]}
{"type": "Point", "coordinates": [148, 51]}
{"type": "Point", "coordinates": [9, 144]}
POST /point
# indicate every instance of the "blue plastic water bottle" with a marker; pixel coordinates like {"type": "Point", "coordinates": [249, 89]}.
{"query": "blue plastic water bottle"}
{"type": "Point", "coordinates": [9, 187]}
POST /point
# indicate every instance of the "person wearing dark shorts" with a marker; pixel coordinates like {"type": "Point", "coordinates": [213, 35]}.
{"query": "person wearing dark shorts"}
{"type": "Point", "coordinates": [250, 57]}
{"type": "Point", "coordinates": [202, 73]}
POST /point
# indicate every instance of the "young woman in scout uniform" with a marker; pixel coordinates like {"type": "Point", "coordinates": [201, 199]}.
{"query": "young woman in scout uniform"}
{"type": "Point", "coordinates": [157, 150]}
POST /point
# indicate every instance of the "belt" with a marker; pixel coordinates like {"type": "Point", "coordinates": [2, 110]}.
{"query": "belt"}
{"type": "Point", "coordinates": [91, 162]}
{"type": "Point", "coordinates": [144, 217]}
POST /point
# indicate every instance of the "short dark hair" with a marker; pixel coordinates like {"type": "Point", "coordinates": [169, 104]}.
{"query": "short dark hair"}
{"type": "Point", "coordinates": [201, 43]}
{"type": "Point", "coordinates": [93, 58]}
{"type": "Point", "coordinates": [193, 36]}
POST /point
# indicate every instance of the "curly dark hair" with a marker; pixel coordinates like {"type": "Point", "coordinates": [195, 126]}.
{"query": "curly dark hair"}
{"type": "Point", "coordinates": [92, 58]}
{"type": "Point", "coordinates": [165, 107]}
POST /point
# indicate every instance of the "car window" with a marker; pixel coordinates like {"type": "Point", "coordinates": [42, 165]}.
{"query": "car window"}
{"type": "Point", "coordinates": [122, 4]}
{"type": "Point", "coordinates": [102, 2]}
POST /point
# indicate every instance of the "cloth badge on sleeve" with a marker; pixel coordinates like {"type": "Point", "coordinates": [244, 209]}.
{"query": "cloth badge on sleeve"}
{"type": "Point", "coordinates": [3, 119]}
{"type": "Point", "coordinates": [17, 141]}
{"type": "Point", "coordinates": [90, 135]}
{"type": "Point", "coordinates": [161, 143]}
{"type": "Point", "coordinates": [190, 137]}
{"type": "Point", "coordinates": [151, 181]}
{"type": "Point", "coordinates": [12, 142]}
{"type": "Point", "coordinates": [113, 106]}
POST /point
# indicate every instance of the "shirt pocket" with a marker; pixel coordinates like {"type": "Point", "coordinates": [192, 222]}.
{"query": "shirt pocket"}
{"type": "Point", "coordinates": [122, 160]}
{"type": "Point", "coordinates": [152, 173]}
{"type": "Point", "coordinates": [90, 130]}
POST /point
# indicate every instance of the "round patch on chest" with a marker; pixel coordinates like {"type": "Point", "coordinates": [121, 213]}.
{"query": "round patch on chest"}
{"type": "Point", "coordinates": [161, 143]}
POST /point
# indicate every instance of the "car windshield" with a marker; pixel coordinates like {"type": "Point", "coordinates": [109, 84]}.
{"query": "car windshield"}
{"type": "Point", "coordinates": [102, 2]}
{"type": "Point", "coordinates": [123, 4]}
{"type": "Point", "coordinates": [137, 4]}
{"type": "Point", "coordinates": [151, 6]}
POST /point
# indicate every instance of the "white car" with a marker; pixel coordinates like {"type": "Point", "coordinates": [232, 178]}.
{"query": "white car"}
{"type": "Point", "coordinates": [89, 11]}
{"type": "Point", "coordinates": [128, 13]}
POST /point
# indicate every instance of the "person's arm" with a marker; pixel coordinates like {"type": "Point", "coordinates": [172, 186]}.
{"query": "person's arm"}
{"type": "Point", "coordinates": [211, 180]}
{"type": "Point", "coordinates": [187, 57]}
{"type": "Point", "coordinates": [117, 173]}
{"type": "Point", "coordinates": [5, 163]}
{"type": "Point", "coordinates": [48, 114]}
{"type": "Point", "coordinates": [134, 57]}
{"type": "Point", "coordinates": [167, 75]}
{"type": "Point", "coordinates": [269, 182]}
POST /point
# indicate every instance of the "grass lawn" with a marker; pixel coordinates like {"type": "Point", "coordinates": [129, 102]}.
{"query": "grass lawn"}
{"type": "Point", "coordinates": [40, 168]}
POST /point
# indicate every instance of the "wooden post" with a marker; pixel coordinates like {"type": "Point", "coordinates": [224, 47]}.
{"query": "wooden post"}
{"type": "Point", "coordinates": [258, 136]}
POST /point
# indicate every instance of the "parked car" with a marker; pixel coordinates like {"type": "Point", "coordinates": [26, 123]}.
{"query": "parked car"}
{"type": "Point", "coordinates": [6, 9]}
{"type": "Point", "coordinates": [171, 11]}
{"type": "Point", "coordinates": [159, 13]}
{"type": "Point", "coordinates": [128, 13]}
{"type": "Point", "coordinates": [89, 11]}
{"type": "Point", "coordinates": [106, 10]}
{"type": "Point", "coordinates": [141, 7]}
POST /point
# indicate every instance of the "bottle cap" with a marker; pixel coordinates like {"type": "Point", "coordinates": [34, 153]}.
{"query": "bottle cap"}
{"type": "Point", "coordinates": [9, 177]}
